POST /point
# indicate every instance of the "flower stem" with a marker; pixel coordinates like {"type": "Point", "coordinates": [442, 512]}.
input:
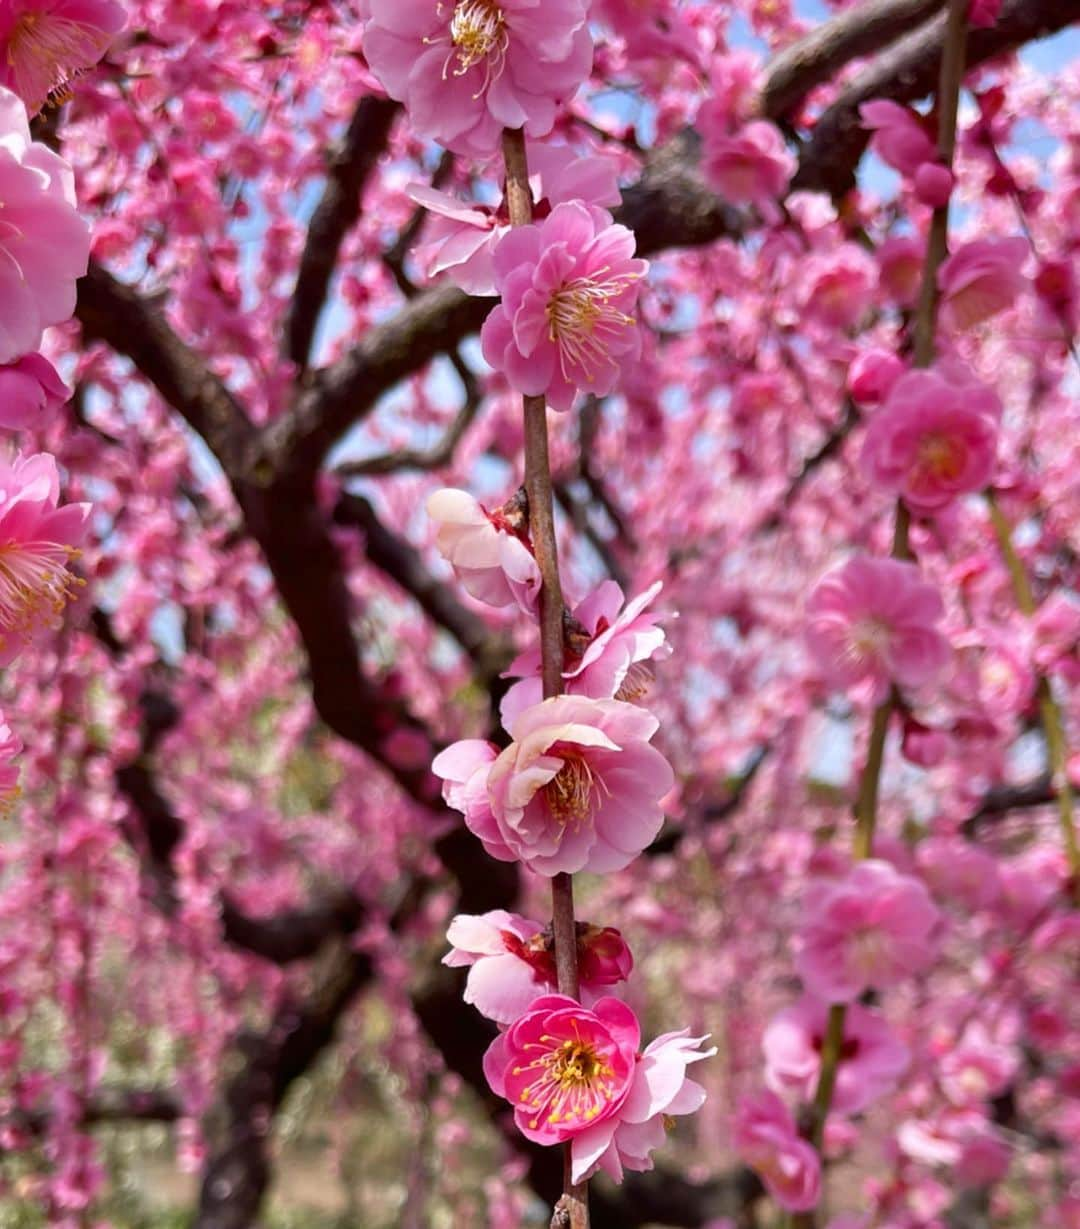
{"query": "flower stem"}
{"type": "Point", "coordinates": [573, 1209]}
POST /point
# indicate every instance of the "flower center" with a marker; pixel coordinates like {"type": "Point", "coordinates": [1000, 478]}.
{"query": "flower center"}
{"type": "Point", "coordinates": [35, 585]}
{"type": "Point", "coordinates": [573, 1082]}
{"type": "Point", "coordinates": [569, 793]}
{"type": "Point", "coordinates": [636, 682]}
{"type": "Point", "coordinates": [583, 319]}
{"type": "Point", "coordinates": [47, 52]}
{"type": "Point", "coordinates": [941, 457]}
{"type": "Point", "coordinates": [478, 34]}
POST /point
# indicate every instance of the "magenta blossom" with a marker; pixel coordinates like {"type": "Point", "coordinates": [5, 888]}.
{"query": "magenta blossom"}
{"type": "Point", "coordinates": [753, 166]}
{"type": "Point", "coordinates": [44, 244]}
{"type": "Point", "coordinates": [563, 1067]}
{"type": "Point", "coordinates": [934, 439]}
{"type": "Point", "coordinates": [768, 1140]}
{"type": "Point", "coordinates": [868, 931]}
{"type": "Point", "coordinates": [899, 136]}
{"type": "Point", "coordinates": [872, 1058]}
{"type": "Point", "coordinates": [512, 962]}
{"type": "Point", "coordinates": [37, 543]}
{"type": "Point", "coordinates": [872, 374]}
{"type": "Point", "coordinates": [45, 44]}
{"type": "Point", "coordinates": [606, 657]}
{"type": "Point", "coordinates": [10, 746]}
{"type": "Point", "coordinates": [981, 279]}
{"type": "Point", "coordinates": [569, 286]}
{"type": "Point", "coordinates": [578, 789]}
{"type": "Point", "coordinates": [467, 70]}
{"type": "Point", "coordinates": [491, 560]}
{"type": "Point", "coordinates": [30, 392]}
{"type": "Point", "coordinates": [871, 623]}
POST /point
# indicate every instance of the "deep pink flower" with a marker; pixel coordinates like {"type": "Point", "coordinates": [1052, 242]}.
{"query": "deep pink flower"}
{"type": "Point", "coordinates": [868, 931]}
{"type": "Point", "coordinates": [512, 962]}
{"type": "Point", "coordinates": [752, 166]}
{"type": "Point", "coordinates": [44, 244]}
{"type": "Point", "coordinates": [610, 662]}
{"type": "Point", "coordinates": [45, 44]}
{"type": "Point", "coordinates": [467, 70]}
{"type": "Point", "coordinates": [578, 789]}
{"type": "Point", "coordinates": [768, 1140]}
{"type": "Point", "coordinates": [492, 562]}
{"type": "Point", "coordinates": [934, 439]}
{"type": "Point", "coordinates": [981, 279]}
{"type": "Point", "coordinates": [872, 622]}
{"type": "Point", "coordinates": [37, 543]}
{"type": "Point", "coordinates": [872, 374]}
{"type": "Point", "coordinates": [899, 136]}
{"type": "Point", "coordinates": [983, 14]}
{"type": "Point", "coordinates": [900, 264]}
{"type": "Point", "coordinates": [872, 1058]}
{"type": "Point", "coordinates": [564, 1067]}
{"type": "Point", "coordinates": [10, 746]}
{"type": "Point", "coordinates": [569, 286]}
{"type": "Point", "coordinates": [934, 184]}
{"type": "Point", "coordinates": [30, 392]}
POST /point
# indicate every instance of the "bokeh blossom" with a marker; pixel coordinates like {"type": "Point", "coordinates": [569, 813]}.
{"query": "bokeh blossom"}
{"type": "Point", "coordinates": [30, 392]}
{"type": "Point", "coordinates": [768, 1140]}
{"type": "Point", "coordinates": [751, 166]}
{"type": "Point", "coordinates": [981, 279]}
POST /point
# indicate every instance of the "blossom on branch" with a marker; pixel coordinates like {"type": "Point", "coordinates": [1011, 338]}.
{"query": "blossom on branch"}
{"type": "Point", "coordinates": [30, 392]}
{"type": "Point", "coordinates": [768, 1140]}
{"type": "Point", "coordinates": [981, 279]}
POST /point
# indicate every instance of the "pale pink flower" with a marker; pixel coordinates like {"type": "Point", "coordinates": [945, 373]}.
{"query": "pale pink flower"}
{"type": "Point", "coordinates": [578, 789]}
{"type": "Point", "coordinates": [767, 1139]}
{"type": "Point", "coordinates": [569, 285]}
{"type": "Point", "coordinates": [934, 439]}
{"type": "Point", "coordinates": [981, 279]}
{"type": "Point", "coordinates": [978, 1067]}
{"type": "Point", "coordinates": [511, 961]}
{"type": "Point", "coordinates": [10, 746]}
{"type": "Point", "coordinates": [900, 138]}
{"type": "Point", "coordinates": [609, 661]}
{"type": "Point", "coordinates": [872, 374]}
{"type": "Point", "coordinates": [460, 239]}
{"type": "Point", "coordinates": [44, 244]}
{"type": "Point", "coordinates": [37, 544]}
{"type": "Point", "coordinates": [872, 1058]}
{"type": "Point", "coordinates": [487, 550]}
{"type": "Point", "coordinates": [752, 166]}
{"type": "Point", "coordinates": [30, 392]}
{"type": "Point", "coordinates": [46, 44]}
{"type": "Point", "coordinates": [871, 623]}
{"type": "Point", "coordinates": [467, 70]}
{"type": "Point", "coordinates": [869, 930]}
{"type": "Point", "coordinates": [659, 1091]}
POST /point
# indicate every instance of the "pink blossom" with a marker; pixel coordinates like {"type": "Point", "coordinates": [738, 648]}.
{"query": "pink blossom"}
{"type": "Point", "coordinates": [467, 70]}
{"type": "Point", "coordinates": [983, 14]}
{"type": "Point", "coordinates": [871, 623]}
{"type": "Point", "coordinates": [10, 746]}
{"type": "Point", "coordinates": [899, 136]}
{"type": "Point", "coordinates": [900, 265]}
{"type": "Point", "coordinates": [37, 544]}
{"type": "Point", "coordinates": [578, 789]}
{"type": "Point", "coordinates": [978, 1067]}
{"type": "Point", "coordinates": [659, 1091]}
{"type": "Point", "coordinates": [30, 392]}
{"type": "Point", "coordinates": [981, 279]}
{"type": "Point", "coordinates": [606, 657]}
{"type": "Point", "coordinates": [872, 1058]}
{"type": "Point", "coordinates": [753, 166]}
{"type": "Point", "coordinates": [768, 1140]}
{"type": "Point", "coordinates": [872, 374]}
{"type": "Point", "coordinates": [487, 550]}
{"type": "Point", "coordinates": [44, 244]}
{"type": "Point", "coordinates": [934, 184]}
{"type": "Point", "coordinates": [934, 439]}
{"type": "Point", "coordinates": [45, 44]}
{"type": "Point", "coordinates": [512, 962]}
{"type": "Point", "coordinates": [568, 286]}
{"type": "Point", "coordinates": [839, 286]}
{"type": "Point", "coordinates": [870, 930]}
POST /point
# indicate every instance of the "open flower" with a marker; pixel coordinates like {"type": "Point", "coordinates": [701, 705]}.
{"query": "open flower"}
{"type": "Point", "coordinates": [44, 244]}
{"type": "Point", "coordinates": [30, 391]}
{"type": "Point", "coordinates": [512, 961]}
{"type": "Point", "coordinates": [981, 279]}
{"type": "Point", "coordinates": [467, 70]}
{"type": "Point", "coordinates": [867, 931]}
{"type": "Point", "coordinates": [45, 44]}
{"type": "Point", "coordinates": [872, 622]}
{"type": "Point", "coordinates": [900, 138]}
{"type": "Point", "coordinates": [578, 789]}
{"type": "Point", "coordinates": [768, 1140]}
{"type": "Point", "coordinates": [934, 439]}
{"type": "Point", "coordinates": [37, 543]}
{"type": "Point", "coordinates": [569, 285]}
{"type": "Point", "coordinates": [752, 166]}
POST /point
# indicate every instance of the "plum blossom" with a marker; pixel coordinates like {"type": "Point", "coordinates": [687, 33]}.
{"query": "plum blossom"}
{"type": "Point", "coordinates": [872, 1058]}
{"type": "Point", "coordinates": [37, 543]}
{"type": "Point", "coordinates": [578, 789]}
{"type": "Point", "coordinates": [45, 44]}
{"type": "Point", "coordinates": [606, 654]}
{"type": "Point", "coordinates": [511, 962]}
{"type": "Point", "coordinates": [30, 392]}
{"type": "Point", "coordinates": [934, 439]}
{"type": "Point", "coordinates": [868, 931]}
{"type": "Point", "coordinates": [981, 279]}
{"type": "Point", "coordinates": [10, 746]}
{"type": "Point", "coordinates": [978, 1067]}
{"type": "Point", "coordinates": [569, 285]}
{"type": "Point", "coordinates": [871, 623]}
{"type": "Point", "coordinates": [487, 550]}
{"type": "Point", "coordinates": [44, 244]}
{"type": "Point", "coordinates": [872, 374]}
{"type": "Point", "coordinates": [900, 266]}
{"type": "Point", "coordinates": [900, 138]}
{"type": "Point", "coordinates": [768, 1140]}
{"type": "Point", "coordinates": [752, 166]}
{"type": "Point", "coordinates": [467, 70]}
